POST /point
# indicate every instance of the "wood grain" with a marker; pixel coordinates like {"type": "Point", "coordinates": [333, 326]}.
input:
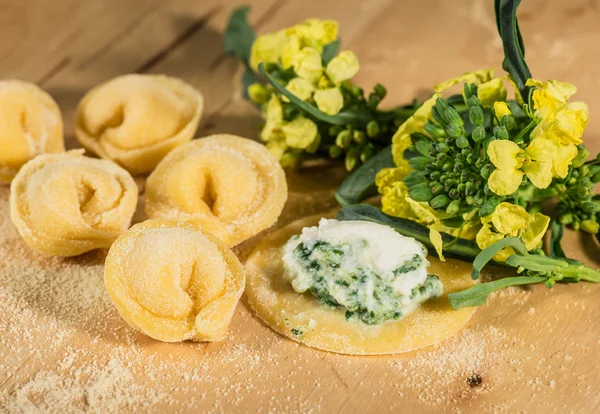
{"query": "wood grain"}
{"type": "Point", "coordinates": [536, 350]}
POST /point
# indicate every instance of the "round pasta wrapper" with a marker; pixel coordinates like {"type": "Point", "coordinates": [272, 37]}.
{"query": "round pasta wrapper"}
{"type": "Point", "coordinates": [31, 124]}
{"type": "Point", "coordinates": [233, 183]}
{"type": "Point", "coordinates": [68, 204]}
{"type": "Point", "coordinates": [301, 317]}
{"type": "Point", "coordinates": [174, 281]}
{"type": "Point", "coordinates": [135, 120]}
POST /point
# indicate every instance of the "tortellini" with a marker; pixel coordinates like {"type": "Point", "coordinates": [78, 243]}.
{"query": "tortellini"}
{"type": "Point", "coordinates": [234, 183]}
{"type": "Point", "coordinates": [30, 124]}
{"type": "Point", "coordinates": [174, 281]}
{"type": "Point", "coordinates": [68, 204]}
{"type": "Point", "coordinates": [135, 120]}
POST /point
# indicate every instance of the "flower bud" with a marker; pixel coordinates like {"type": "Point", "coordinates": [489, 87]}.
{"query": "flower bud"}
{"type": "Point", "coordinates": [435, 175]}
{"type": "Point", "coordinates": [500, 132]}
{"type": "Point", "coordinates": [453, 117]}
{"type": "Point", "coordinates": [453, 207]}
{"type": "Point", "coordinates": [476, 115]}
{"type": "Point", "coordinates": [435, 113]}
{"type": "Point", "coordinates": [473, 101]}
{"type": "Point", "coordinates": [508, 122]}
{"type": "Point", "coordinates": [596, 178]}
{"type": "Point", "coordinates": [359, 137]}
{"type": "Point", "coordinates": [590, 226]}
{"type": "Point", "coordinates": [418, 163]}
{"type": "Point", "coordinates": [291, 160]}
{"type": "Point", "coordinates": [566, 218]}
{"type": "Point", "coordinates": [486, 171]}
{"type": "Point", "coordinates": [333, 130]}
{"type": "Point", "coordinates": [352, 158]}
{"type": "Point", "coordinates": [344, 139]}
{"type": "Point", "coordinates": [478, 134]}
{"type": "Point", "coordinates": [420, 192]}
{"type": "Point", "coordinates": [454, 131]}
{"type": "Point", "coordinates": [583, 192]}
{"type": "Point", "coordinates": [259, 93]}
{"type": "Point", "coordinates": [469, 90]}
{"type": "Point", "coordinates": [380, 90]}
{"type": "Point", "coordinates": [489, 206]}
{"type": "Point", "coordinates": [579, 160]}
{"type": "Point", "coordinates": [335, 151]}
{"type": "Point", "coordinates": [439, 201]}
{"type": "Point", "coordinates": [461, 188]}
{"type": "Point", "coordinates": [462, 142]}
{"type": "Point", "coordinates": [434, 131]}
{"type": "Point", "coordinates": [437, 188]}
{"type": "Point", "coordinates": [372, 129]}
{"type": "Point", "coordinates": [365, 154]}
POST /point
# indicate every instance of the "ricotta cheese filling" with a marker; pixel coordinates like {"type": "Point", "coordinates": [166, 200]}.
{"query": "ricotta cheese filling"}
{"type": "Point", "coordinates": [374, 272]}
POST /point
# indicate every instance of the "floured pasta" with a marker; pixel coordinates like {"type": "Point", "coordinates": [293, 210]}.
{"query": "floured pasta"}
{"type": "Point", "coordinates": [304, 319]}
{"type": "Point", "coordinates": [30, 124]}
{"type": "Point", "coordinates": [232, 182]}
{"type": "Point", "coordinates": [173, 281]}
{"type": "Point", "coordinates": [135, 120]}
{"type": "Point", "coordinates": [68, 204]}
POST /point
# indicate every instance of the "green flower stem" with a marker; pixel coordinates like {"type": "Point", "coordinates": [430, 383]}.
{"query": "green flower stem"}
{"type": "Point", "coordinates": [525, 130]}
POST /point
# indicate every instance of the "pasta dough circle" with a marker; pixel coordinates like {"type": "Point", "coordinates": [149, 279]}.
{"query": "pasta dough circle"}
{"type": "Point", "coordinates": [135, 120]}
{"type": "Point", "coordinates": [173, 281]}
{"type": "Point", "coordinates": [31, 124]}
{"type": "Point", "coordinates": [68, 204]}
{"type": "Point", "coordinates": [232, 182]}
{"type": "Point", "coordinates": [318, 326]}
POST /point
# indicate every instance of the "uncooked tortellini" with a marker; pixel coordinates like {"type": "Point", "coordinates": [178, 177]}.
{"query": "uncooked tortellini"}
{"type": "Point", "coordinates": [30, 124]}
{"type": "Point", "coordinates": [235, 183]}
{"type": "Point", "coordinates": [68, 204]}
{"type": "Point", "coordinates": [173, 281]}
{"type": "Point", "coordinates": [135, 120]}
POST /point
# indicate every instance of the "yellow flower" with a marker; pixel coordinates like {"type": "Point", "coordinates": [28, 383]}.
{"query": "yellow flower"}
{"type": "Point", "coordinates": [274, 120]}
{"type": "Point", "coordinates": [300, 87]}
{"type": "Point", "coordinates": [507, 176]}
{"type": "Point", "coordinates": [307, 64]}
{"type": "Point", "coordinates": [329, 100]}
{"type": "Point", "coordinates": [259, 93]}
{"type": "Point", "coordinates": [268, 48]}
{"type": "Point", "coordinates": [277, 147]}
{"type": "Point", "coordinates": [300, 133]}
{"type": "Point", "coordinates": [501, 109]}
{"type": "Point", "coordinates": [551, 96]}
{"type": "Point", "coordinates": [512, 163]}
{"type": "Point", "coordinates": [289, 51]}
{"type": "Point", "coordinates": [511, 220]}
{"type": "Point", "coordinates": [477, 77]}
{"type": "Point", "coordinates": [559, 153]}
{"type": "Point", "coordinates": [416, 123]}
{"type": "Point", "coordinates": [491, 91]}
{"type": "Point", "coordinates": [315, 33]}
{"type": "Point", "coordinates": [342, 67]}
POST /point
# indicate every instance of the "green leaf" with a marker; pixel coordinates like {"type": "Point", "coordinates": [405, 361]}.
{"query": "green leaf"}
{"type": "Point", "coordinates": [489, 252]}
{"type": "Point", "coordinates": [329, 51]}
{"type": "Point", "coordinates": [463, 249]}
{"type": "Point", "coordinates": [512, 41]}
{"type": "Point", "coordinates": [239, 35]}
{"type": "Point", "coordinates": [557, 232]}
{"type": "Point", "coordinates": [360, 184]}
{"type": "Point", "coordinates": [359, 119]}
{"type": "Point", "coordinates": [477, 295]}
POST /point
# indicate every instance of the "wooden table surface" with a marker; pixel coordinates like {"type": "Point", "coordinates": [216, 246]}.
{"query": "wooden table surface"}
{"type": "Point", "coordinates": [63, 348]}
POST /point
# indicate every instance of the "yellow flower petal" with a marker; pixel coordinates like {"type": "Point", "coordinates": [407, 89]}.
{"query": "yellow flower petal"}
{"type": "Point", "coordinates": [564, 156]}
{"type": "Point", "coordinates": [540, 148]}
{"type": "Point", "coordinates": [486, 237]}
{"type": "Point", "coordinates": [503, 154]}
{"type": "Point", "coordinates": [539, 173]}
{"type": "Point", "coordinates": [510, 219]}
{"type": "Point", "coordinates": [505, 182]}
{"type": "Point", "coordinates": [268, 48]}
{"type": "Point", "coordinates": [277, 147]}
{"type": "Point", "coordinates": [560, 90]}
{"type": "Point", "coordinates": [329, 100]}
{"type": "Point", "coordinates": [416, 123]}
{"type": "Point", "coordinates": [342, 67]}
{"type": "Point", "coordinates": [300, 87]}
{"type": "Point", "coordinates": [274, 120]}
{"type": "Point", "coordinates": [436, 239]}
{"type": "Point", "coordinates": [393, 200]}
{"type": "Point", "coordinates": [315, 33]}
{"type": "Point", "coordinates": [501, 109]}
{"type": "Point", "coordinates": [477, 77]}
{"type": "Point", "coordinates": [388, 177]}
{"type": "Point", "coordinates": [535, 231]}
{"type": "Point", "coordinates": [491, 91]}
{"type": "Point", "coordinates": [300, 133]}
{"type": "Point", "coordinates": [259, 93]}
{"type": "Point", "coordinates": [307, 64]}
{"type": "Point", "coordinates": [289, 51]}
{"type": "Point", "coordinates": [570, 123]}
{"type": "Point", "coordinates": [551, 96]}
